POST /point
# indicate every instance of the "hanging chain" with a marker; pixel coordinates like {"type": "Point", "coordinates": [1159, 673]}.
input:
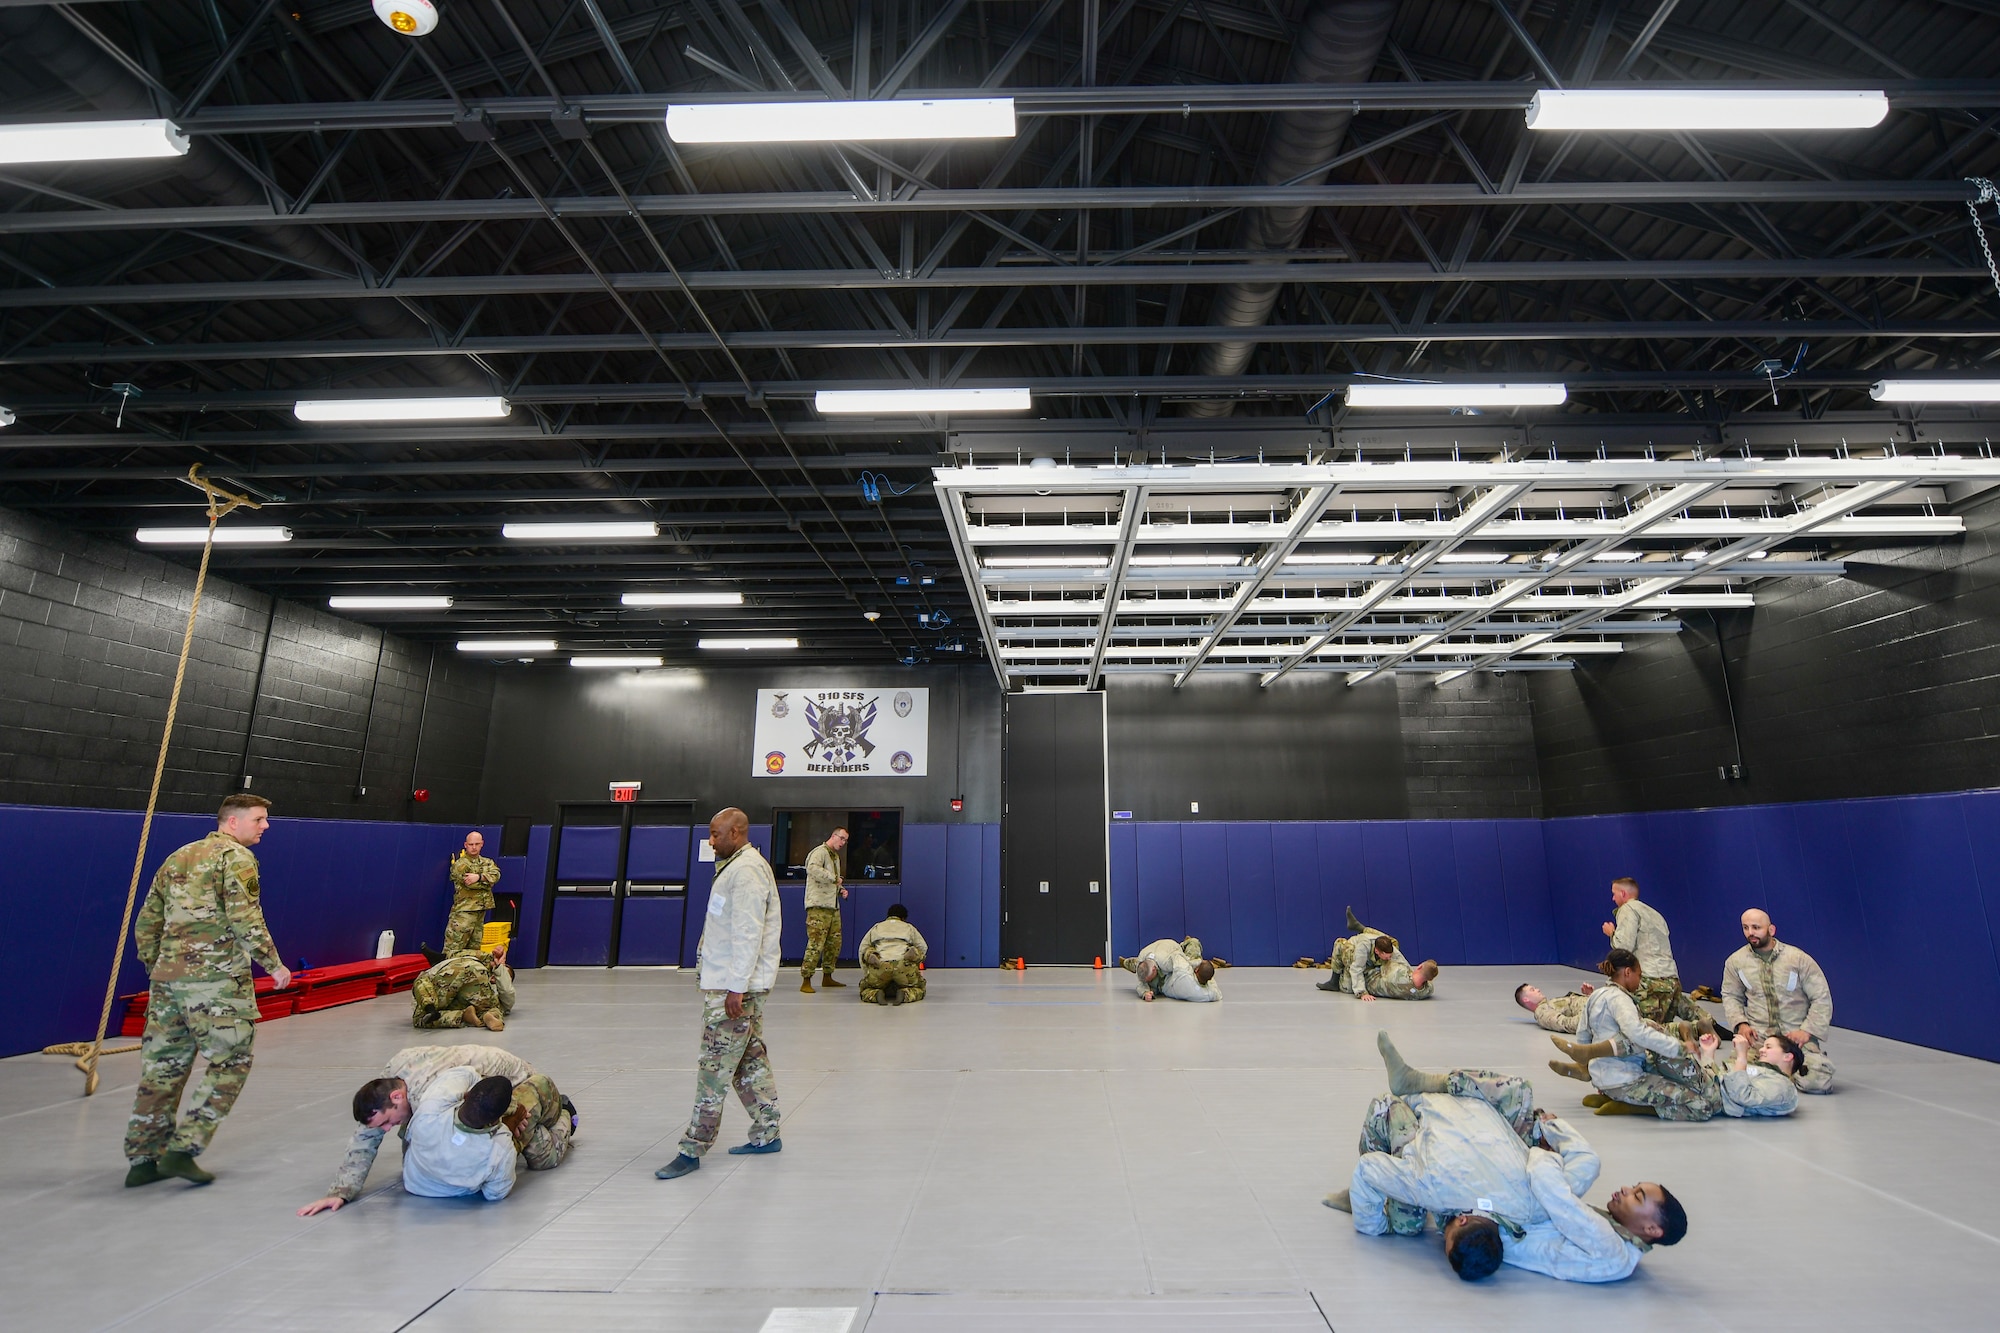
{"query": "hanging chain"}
{"type": "Point", "coordinates": [1988, 194]}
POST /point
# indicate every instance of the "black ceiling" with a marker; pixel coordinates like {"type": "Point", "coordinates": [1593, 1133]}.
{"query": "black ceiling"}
{"type": "Point", "coordinates": [495, 208]}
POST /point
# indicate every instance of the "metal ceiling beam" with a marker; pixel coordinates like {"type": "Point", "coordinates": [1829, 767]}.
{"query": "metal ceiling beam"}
{"type": "Point", "coordinates": [998, 276]}
{"type": "Point", "coordinates": [1114, 581]}
{"type": "Point", "coordinates": [349, 349]}
{"type": "Point", "coordinates": [1000, 199]}
{"type": "Point", "coordinates": [1310, 506]}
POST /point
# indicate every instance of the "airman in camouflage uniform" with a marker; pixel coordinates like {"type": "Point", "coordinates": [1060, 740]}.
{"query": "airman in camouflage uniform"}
{"type": "Point", "coordinates": [1558, 1013]}
{"type": "Point", "coordinates": [1638, 927]}
{"type": "Point", "coordinates": [1363, 972]}
{"type": "Point", "coordinates": [540, 1118]}
{"type": "Point", "coordinates": [199, 931]}
{"type": "Point", "coordinates": [1671, 1087]}
{"type": "Point", "coordinates": [823, 894]}
{"type": "Point", "coordinates": [890, 952]}
{"type": "Point", "coordinates": [465, 990]}
{"type": "Point", "coordinates": [472, 879]}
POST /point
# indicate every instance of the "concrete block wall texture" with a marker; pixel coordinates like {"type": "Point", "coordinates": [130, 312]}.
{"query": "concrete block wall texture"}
{"type": "Point", "coordinates": [90, 631]}
{"type": "Point", "coordinates": [1884, 682]}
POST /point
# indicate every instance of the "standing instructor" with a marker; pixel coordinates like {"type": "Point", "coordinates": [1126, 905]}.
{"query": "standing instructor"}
{"type": "Point", "coordinates": [823, 894]}
{"type": "Point", "coordinates": [198, 933]}
{"type": "Point", "coordinates": [737, 961]}
{"type": "Point", "coordinates": [473, 876]}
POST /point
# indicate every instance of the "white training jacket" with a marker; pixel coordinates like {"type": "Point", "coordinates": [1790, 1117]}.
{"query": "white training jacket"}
{"type": "Point", "coordinates": [739, 940]}
{"type": "Point", "coordinates": [1611, 1014]}
{"type": "Point", "coordinates": [442, 1160]}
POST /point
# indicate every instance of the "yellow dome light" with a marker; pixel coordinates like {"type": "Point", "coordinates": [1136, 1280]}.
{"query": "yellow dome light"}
{"type": "Point", "coordinates": [412, 18]}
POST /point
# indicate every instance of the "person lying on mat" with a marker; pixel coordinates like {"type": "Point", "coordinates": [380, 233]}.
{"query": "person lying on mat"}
{"type": "Point", "coordinates": [1369, 965]}
{"type": "Point", "coordinates": [1503, 1180]}
{"type": "Point", "coordinates": [1177, 971]}
{"type": "Point", "coordinates": [540, 1118]}
{"type": "Point", "coordinates": [1553, 1013]}
{"type": "Point", "coordinates": [1756, 1082]}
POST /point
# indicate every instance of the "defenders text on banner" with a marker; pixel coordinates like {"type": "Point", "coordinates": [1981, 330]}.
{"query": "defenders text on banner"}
{"type": "Point", "coordinates": [842, 733]}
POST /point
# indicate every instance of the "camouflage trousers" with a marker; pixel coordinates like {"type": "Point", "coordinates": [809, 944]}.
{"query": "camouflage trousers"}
{"type": "Point", "coordinates": [216, 1018]}
{"type": "Point", "coordinates": [540, 1126]}
{"type": "Point", "coordinates": [433, 1007]}
{"type": "Point", "coordinates": [1660, 1001]}
{"type": "Point", "coordinates": [892, 983]}
{"type": "Point", "coordinates": [1676, 1087]}
{"type": "Point", "coordinates": [1391, 1122]}
{"type": "Point", "coordinates": [464, 930]}
{"type": "Point", "coordinates": [732, 1055]}
{"type": "Point", "coordinates": [822, 940]}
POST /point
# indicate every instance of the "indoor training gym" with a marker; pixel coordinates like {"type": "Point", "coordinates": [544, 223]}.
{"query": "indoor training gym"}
{"type": "Point", "coordinates": [861, 666]}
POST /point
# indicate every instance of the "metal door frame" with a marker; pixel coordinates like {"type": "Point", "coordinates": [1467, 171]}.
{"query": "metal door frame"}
{"type": "Point", "coordinates": [621, 879]}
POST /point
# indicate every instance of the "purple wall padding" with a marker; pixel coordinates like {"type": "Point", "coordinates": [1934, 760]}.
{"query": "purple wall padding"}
{"type": "Point", "coordinates": [330, 887]}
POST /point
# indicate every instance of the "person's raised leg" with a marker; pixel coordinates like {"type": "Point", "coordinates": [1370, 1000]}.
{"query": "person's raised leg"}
{"type": "Point", "coordinates": [1403, 1080]}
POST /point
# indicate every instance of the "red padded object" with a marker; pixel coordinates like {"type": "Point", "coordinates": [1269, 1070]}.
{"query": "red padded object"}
{"type": "Point", "coordinates": [340, 992]}
{"type": "Point", "coordinates": [277, 1004]}
{"type": "Point", "coordinates": [316, 988]}
{"type": "Point", "coordinates": [313, 978]}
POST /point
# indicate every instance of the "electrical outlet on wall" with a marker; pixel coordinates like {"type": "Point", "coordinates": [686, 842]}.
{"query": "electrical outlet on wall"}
{"type": "Point", "coordinates": [1194, 807]}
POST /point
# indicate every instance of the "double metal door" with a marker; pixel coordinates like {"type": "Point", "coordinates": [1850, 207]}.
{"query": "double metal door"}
{"type": "Point", "coordinates": [1055, 885]}
{"type": "Point", "coordinates": [617, 884]}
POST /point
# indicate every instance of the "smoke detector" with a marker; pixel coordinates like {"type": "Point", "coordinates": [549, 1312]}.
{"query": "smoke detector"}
{"type": "Point", "coordinates": [412, 18]}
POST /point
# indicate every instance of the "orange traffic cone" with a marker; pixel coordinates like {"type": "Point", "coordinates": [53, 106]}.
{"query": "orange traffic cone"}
{"type": "Point", "coordinates": [1099, 964]}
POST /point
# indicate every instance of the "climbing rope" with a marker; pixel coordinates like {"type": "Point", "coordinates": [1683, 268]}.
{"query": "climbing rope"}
{"type": "Point", "coordinates": [1988, 194]}
{"type": "Point", "coordinates": [220, 503]}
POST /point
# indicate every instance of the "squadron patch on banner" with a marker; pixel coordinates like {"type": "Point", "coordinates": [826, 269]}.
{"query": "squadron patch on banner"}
{"type": "Point", "coordinates": [900, 761]}
{"type": "Point", "coordinates": [902, 703]}
{"type": "Point", "coordinates": [779, 708]}
{"type": "Point", "coordinates": [774, 762]}
{"type": "Point", "coordinates": [840, 736]}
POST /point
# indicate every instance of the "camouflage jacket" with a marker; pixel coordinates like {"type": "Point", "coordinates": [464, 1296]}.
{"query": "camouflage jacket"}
{"type": "Point", "coordinates": [1644, 931]}
{"type": "Point", "coordinates": [416, 1066]}
{"type": "Point", "coordinates": [1559, 1013]}
{"type": "Point", "coordinates": [202, 920]}
{"type": "Point", "coordinates": [472, 897]}
{"type": "Point", "coordinates": [457, 972]}
{"type": "Point", "coordinates": [1779, 990]}
{"type": "Point", "coordinates": [892, 941]}
{"type": "Point", "coordinates": [822, 877]}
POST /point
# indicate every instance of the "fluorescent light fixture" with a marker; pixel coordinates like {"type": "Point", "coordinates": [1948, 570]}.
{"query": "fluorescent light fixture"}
{"type": "Point", "coordinates": [1457, 395]}
{"type": "Point", "coordinates": [903, 402]}
{"type": "Point", "coordinates": [223, 536]}
{"type": "Point", "coordinates": [747, 645]}
{"type": "Point", "coordinates": [366, 603]}
{"type": "Point", "coordinates": [1664, 109]}
{"type": "Point", "coordinates": [843, 122]}
{"type": "Point", "coordinates": [1935, 391]}
{"type": "Point", "coordinates": [506, 647]}
{"type": "Point", "coordinates": [1358, 559]}
{"type": "Point", "coordinates": [578, 532]}
{"type": "Point", "coordinates": [610, 662]}
{"type": "Point", "coordinates": [1047, 561]}
{"type": "Point", "coordinates": [682, 599]}
{"type": "Point", "coordinates": [1189, 560]}
{"type": "Point", "coordinates": [1615, 556]}
{"type": "Point", "coordinates": [401, 409]}
{"type": "Point", "coordinates": [1473, 558]}
{"type": "Point", "coordinates": [90, 141]}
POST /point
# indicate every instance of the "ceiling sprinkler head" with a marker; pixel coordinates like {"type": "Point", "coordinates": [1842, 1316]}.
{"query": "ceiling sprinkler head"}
{"type": "Point", "coordinates": [412, 18]}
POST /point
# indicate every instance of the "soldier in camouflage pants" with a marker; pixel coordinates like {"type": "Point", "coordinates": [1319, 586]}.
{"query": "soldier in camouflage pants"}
{"type": "Point", "coordinates": [218, 1019]}
{"type": "Point", "coordinates": [538, 1122]}
{"type": "Point", "coordinates": [473, 876]}
{"type": "Point", "coordinates": [1673, 1088]}
{"type": "Point", "coordinates": [1391, 1122]}
{"type": "Point", "coordinates": [732, 1054]}
{"type": "Point", "coordinates": [440, 997]}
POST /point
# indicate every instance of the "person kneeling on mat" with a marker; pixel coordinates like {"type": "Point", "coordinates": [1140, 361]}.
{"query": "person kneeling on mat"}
{"type": "Point", "coordinates": [1369, 965]}
{"type": "Point", "coordinates": [466, 990]}
{"type": "Point", "coordinates": [890, 952]}
{"type": "Point", "coordinates": [541, 1119]}
{"type": "Point", "coordinates": [1177, 971]}
{"type": "Point", "coordinates": [1504, 1180]}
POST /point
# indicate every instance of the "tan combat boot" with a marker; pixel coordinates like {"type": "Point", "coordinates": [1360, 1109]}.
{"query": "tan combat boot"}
{"type": "Point", "coordinates": [470, 1018]}
{"type": "Point", "coordinates": [827, 982]}
{"type": "Point", "coordinates": [493, 1021]}
{"type": "Point", "coordinates": [806, 984]}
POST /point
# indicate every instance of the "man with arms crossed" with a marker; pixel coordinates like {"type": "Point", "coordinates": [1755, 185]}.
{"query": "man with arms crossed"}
{"type": "Point", "coordinates": [738, 962]}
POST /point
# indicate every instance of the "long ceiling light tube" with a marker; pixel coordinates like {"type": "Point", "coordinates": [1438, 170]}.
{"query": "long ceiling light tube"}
{"type": "Point", "coordinates": [682, 599]}
{"type": "Point", "coordinates": [1935, 391]}
{"type": "Point", "coordinates": [579, 532]}
{"type": "Point", "coordinates": [611, 663]}
{"type": "Point", "coordinates": [1457, 395]}
{"type": "Point", "coordinates": [367, 602]}
{"type": "Point", "coordinates": [898, 120]}
{"type": "Point", "coordinates": [1663, 110]}
{"type": "Point", "coordinates": [746, 645]}
{"type": "Point", "coordinates": [506, 647]}
{"type": "Point", "coordinates": [905, 402]}
{"type": "Point", "coordinates": [90, 141]}
{"type": "Point", "coordinates": [223, 536]}
{"type": "Point", "coordinates": [401, 409]}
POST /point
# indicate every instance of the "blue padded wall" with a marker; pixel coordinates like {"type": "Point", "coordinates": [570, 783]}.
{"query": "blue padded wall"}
{"type": "Point", "coordinates": [329, 888]}
{"type": "Point", "coordinates": [1850, 882]}
{"type": "Point", "coordinates": [1265, 894]}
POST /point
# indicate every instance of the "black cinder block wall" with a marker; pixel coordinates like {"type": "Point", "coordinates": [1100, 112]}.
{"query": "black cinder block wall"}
{"type": "Point", "coordinates": [1884, 682]}
{"type": "Point", "coordinates": [90, 631]}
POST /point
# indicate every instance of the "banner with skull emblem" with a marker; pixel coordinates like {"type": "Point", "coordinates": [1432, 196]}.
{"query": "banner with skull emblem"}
{"type": "Point", "coordinates": [840, 733]}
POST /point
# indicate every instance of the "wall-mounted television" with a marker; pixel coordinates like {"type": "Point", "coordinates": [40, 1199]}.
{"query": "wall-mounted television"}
{"type": "Point", "coordinates": [874, 842]}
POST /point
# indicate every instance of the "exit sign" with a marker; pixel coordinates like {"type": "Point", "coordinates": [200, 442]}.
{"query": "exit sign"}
{"type": "Point", "coordinates": [625, 791]}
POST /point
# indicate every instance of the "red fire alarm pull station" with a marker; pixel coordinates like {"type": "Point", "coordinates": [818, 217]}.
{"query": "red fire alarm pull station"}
{"type": "Point", "coordinates": [958, 803]}
{"type": "Point", "coordinates": [625, 791]}
{"type": "Point", "coordinates": [421, 794]}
